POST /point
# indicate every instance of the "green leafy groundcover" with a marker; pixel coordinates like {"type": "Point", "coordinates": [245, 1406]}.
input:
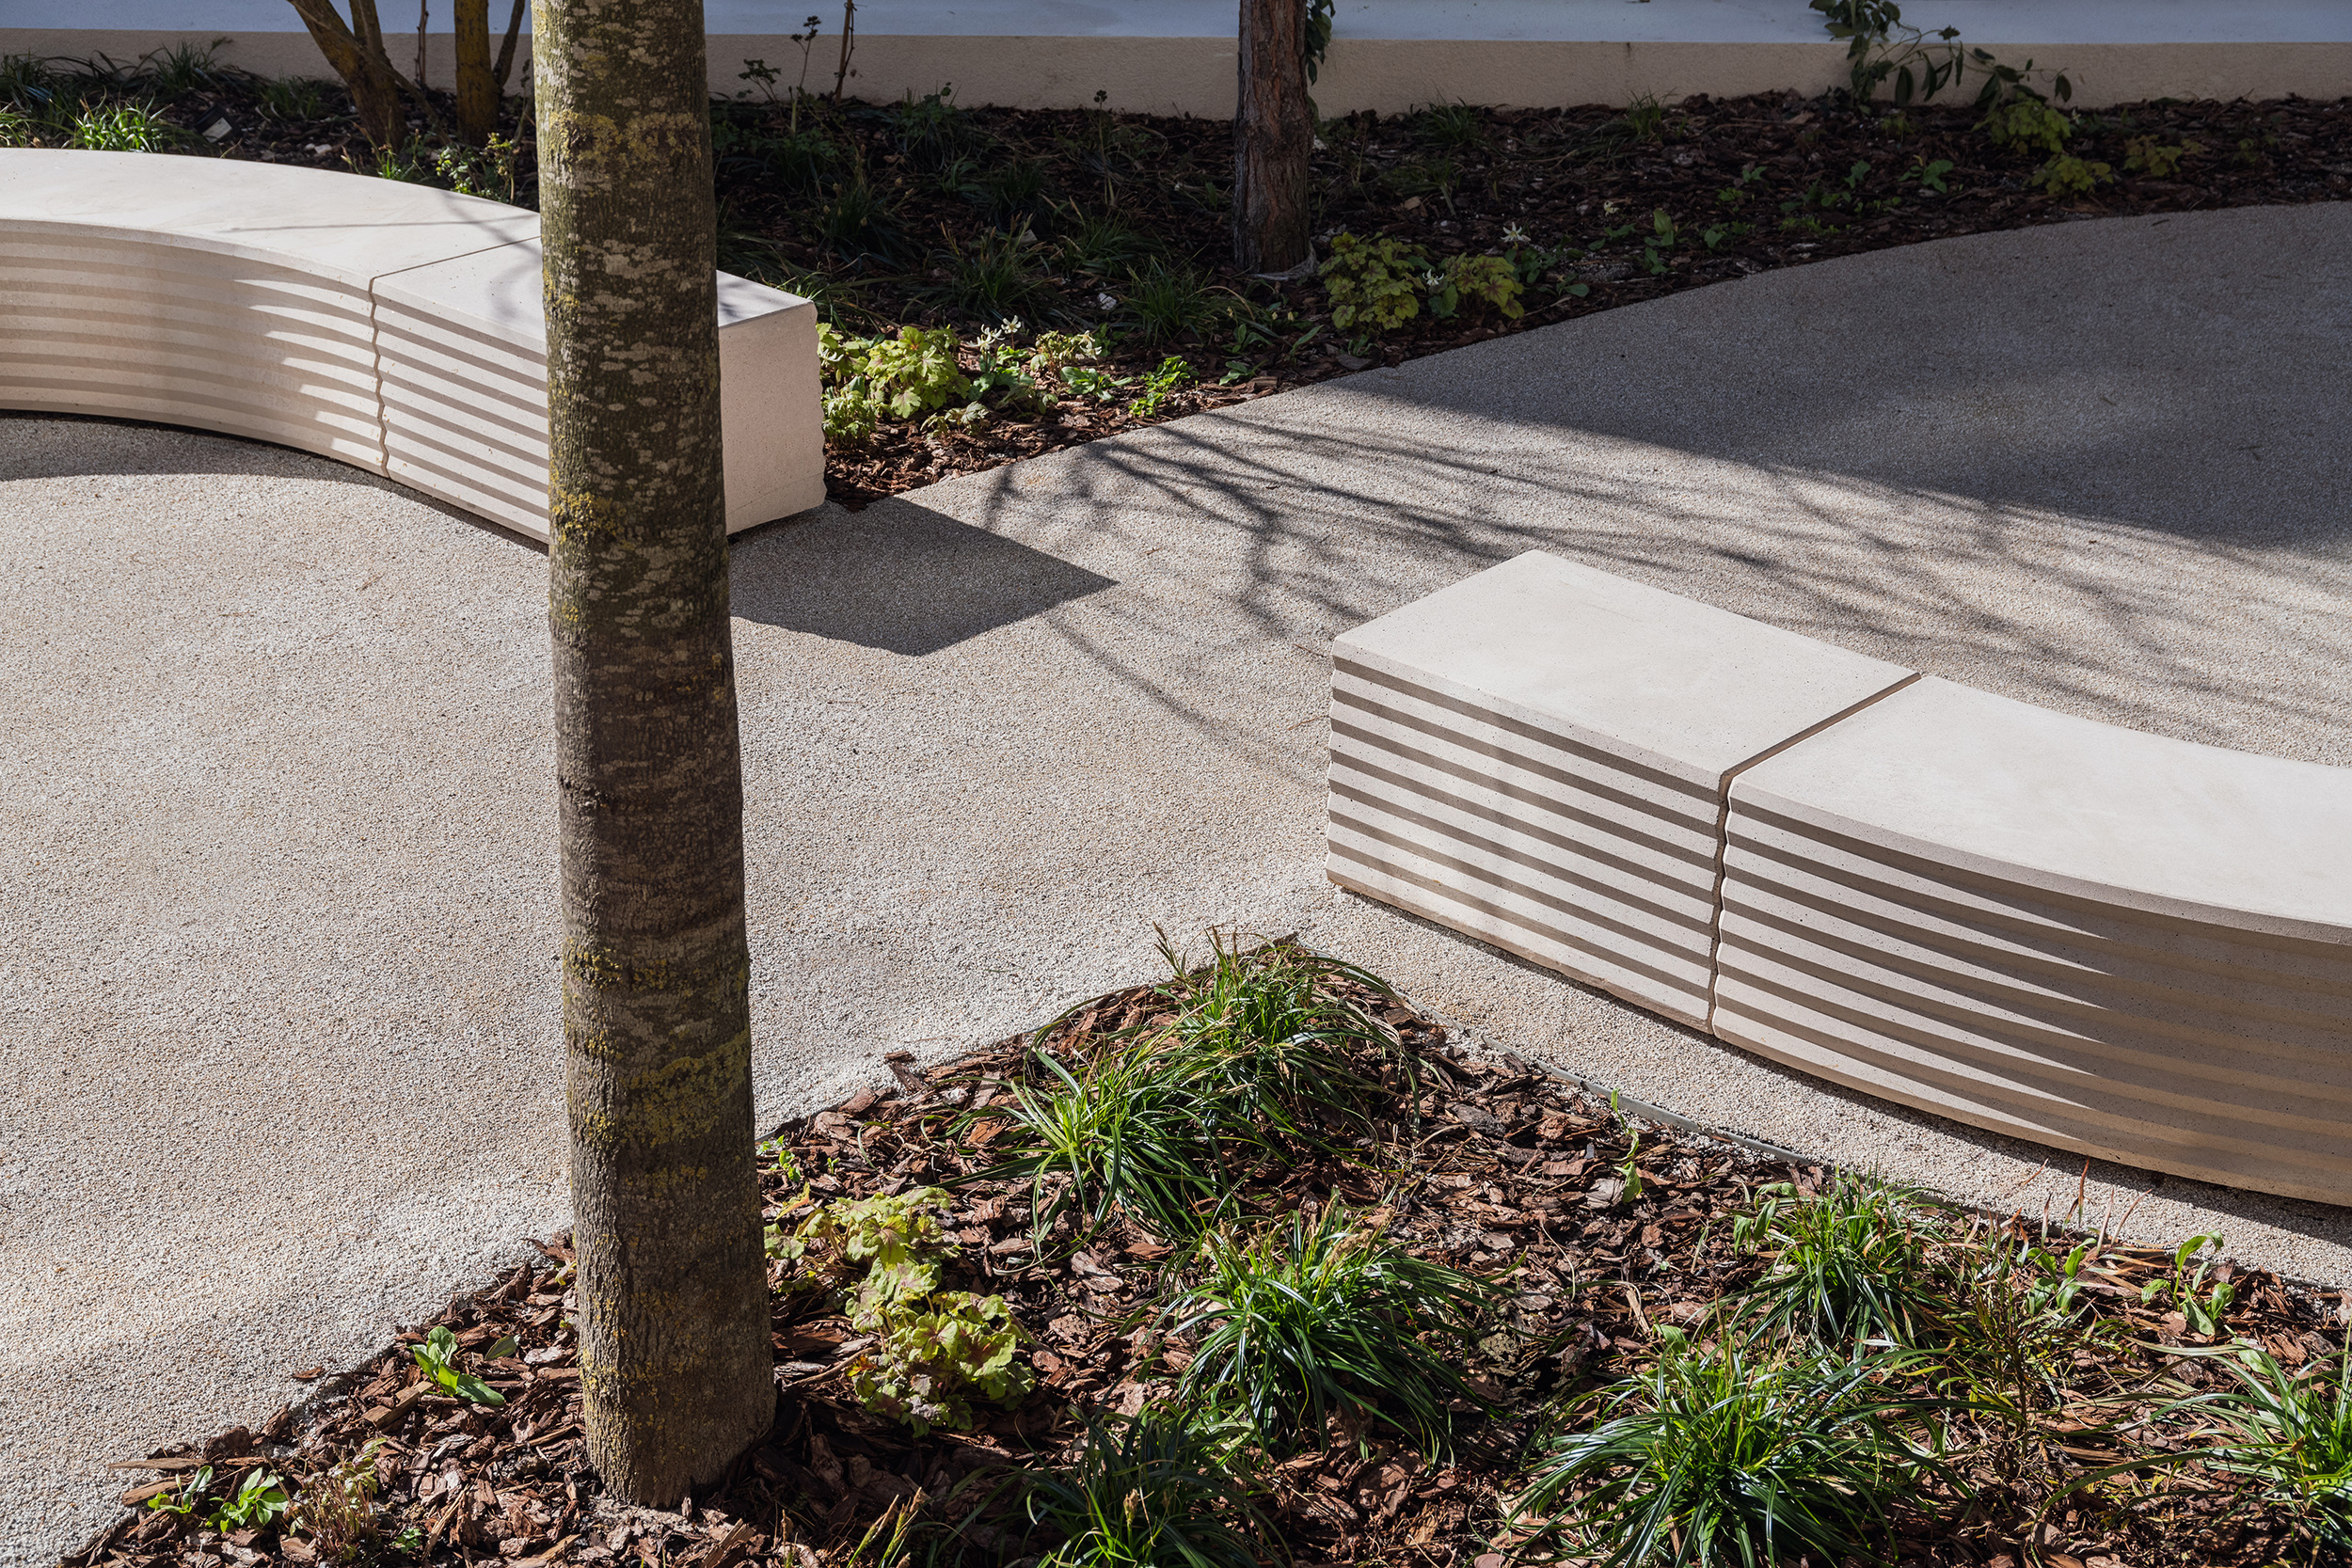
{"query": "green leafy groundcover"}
{"type": "Point", "coordinates": [1428, 1307]}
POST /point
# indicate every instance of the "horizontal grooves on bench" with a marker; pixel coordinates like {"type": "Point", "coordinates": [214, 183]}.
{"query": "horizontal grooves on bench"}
{"type": "Point", "coordinates": [165, 332]}
{"type": "Point", "coordinates": [2205, 1049]}
{"type": "Point", "coordinates": [465, 415]}
{"type": "Point", "coordinates": [1541, 844]}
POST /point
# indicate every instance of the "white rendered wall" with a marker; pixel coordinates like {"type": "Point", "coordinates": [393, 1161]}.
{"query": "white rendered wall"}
{"type": "Point", "coordinates": [1176, 55]}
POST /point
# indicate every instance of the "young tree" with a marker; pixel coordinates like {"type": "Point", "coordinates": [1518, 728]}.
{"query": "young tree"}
{"type": "Point", "coordinates": [1274, 136]}
{"type": "Point", "coordinates": [674, 1338]}
{"type": "Point", "coordinates": [356, 51]}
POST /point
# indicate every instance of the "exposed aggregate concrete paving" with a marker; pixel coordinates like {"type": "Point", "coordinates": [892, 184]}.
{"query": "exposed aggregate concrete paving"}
{"type": "Point", "coordinates": [276, 863]}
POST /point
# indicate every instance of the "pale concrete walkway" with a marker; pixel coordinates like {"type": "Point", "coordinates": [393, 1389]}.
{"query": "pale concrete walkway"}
{"type": "Point", "coordinates": [277, 1003]}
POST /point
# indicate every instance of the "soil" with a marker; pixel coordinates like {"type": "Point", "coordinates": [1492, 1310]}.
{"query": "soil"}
{"type": "Point", "coordinates": [1627, 206]}
{"type": "Point", "coordinates": [1481, 1161]}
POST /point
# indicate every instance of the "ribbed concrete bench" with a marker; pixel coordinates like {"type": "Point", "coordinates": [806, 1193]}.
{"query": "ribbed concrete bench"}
{"type": "Point", "coordinates": [393, 326]}
{"type": "Point", "coordinates": [2090, 936]}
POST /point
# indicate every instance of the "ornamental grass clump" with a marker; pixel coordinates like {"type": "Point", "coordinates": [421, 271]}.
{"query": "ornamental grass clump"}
{"type": "Point", "coordinates": [1270, 1032]}
{"type": "Point", "coordinates": [1166, 1121]}
{"type": "Point", "coordinates": [1735, 1453]}
{"type": "Point", "coordinates": [1123, 1135]}
{"type": "Point", "coordinates": [1848, 1263]}
{"type": "Point", "coordinates": [1155, 1490]}
{"type": "Point", "coordinates": [2289, 1434]}
{"type": "Point", "coordinates": [1306, 1319]}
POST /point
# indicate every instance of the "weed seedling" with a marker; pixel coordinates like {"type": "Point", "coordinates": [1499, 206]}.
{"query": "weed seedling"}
{"type": "Point", "coordinates": [1172, 374]}
{"type": "Point", "coordinates": [337, 1510]}
{"type": "Point", "coordinates": [189, 1497]}
{"type": "Point", "coordinates": [260, 1502]}
{"type": "Point", "coordinates": [438, 1355]}
{"type": "Point", "coordinates": [1929, 175]}
{"type": "Point", "coordinates": [2204, 1308]}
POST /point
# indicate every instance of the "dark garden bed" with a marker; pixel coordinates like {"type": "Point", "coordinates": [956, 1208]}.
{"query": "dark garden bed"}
{"type": "Point", "coordinates": [1492, 1266]}
{"type": "Point", "coordinates": [930, 214]}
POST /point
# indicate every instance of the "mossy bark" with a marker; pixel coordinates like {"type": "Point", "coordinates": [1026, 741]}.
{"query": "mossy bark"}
{"type": "Point", "coordinates": [674, 1340]}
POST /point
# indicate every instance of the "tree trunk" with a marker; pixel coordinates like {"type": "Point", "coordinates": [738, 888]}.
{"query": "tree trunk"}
{"type": "Point", "coordinates": [1274, 135]}
{"type": "Point", "coordinates": [673, 1341]}
{"type": "Point", "coordinates": [477, 89]}
{"type": "Point", "coordinates": [498, 72]}
{"type": "Point", "coordinates": [357, 54]}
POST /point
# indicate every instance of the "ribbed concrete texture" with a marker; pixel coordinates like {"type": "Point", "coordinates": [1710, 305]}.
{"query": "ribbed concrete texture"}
{"type": "Point", "coordinates": [1537, 756]}
{"type": "Point", "coordinates": [2115, 943]}
{"type": "Point", "coordinates": [276, 861]}
{"type": "Point", "coordinates": [394, 326]}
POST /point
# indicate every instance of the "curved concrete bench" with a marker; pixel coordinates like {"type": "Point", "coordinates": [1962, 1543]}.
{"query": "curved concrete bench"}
{"type": "Point", "coordinates": [2114, 943]}
{"type": "Point", "coordinates": [393, 326]}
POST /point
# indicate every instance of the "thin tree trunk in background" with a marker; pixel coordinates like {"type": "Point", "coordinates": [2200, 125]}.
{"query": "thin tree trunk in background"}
{"type": "Point", "coordinates": [505, 69]}
{"type": "Point", "coordinates": [1274, 136]}
{"type": "Point", "coordinates": [848, 41]}
{"type": "Point", "coordinates": [356, 51]}
{"type": "Point", "coordinates": [477, 89]}
{"type": "Point", "coordinates": [424, 10]}
{"type": "Point", "coordinates": [674, 1355]}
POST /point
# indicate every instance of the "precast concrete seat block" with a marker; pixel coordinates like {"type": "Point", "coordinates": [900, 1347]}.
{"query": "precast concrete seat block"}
{"type": "Point", "coordinates": [2114, 943]}
{"type": "Point", "coordinates": [1538, 756]}
{"type": "Point", "coordinates": [2118, 943]}
{"type": "Point", "coordinates": [392, 326]}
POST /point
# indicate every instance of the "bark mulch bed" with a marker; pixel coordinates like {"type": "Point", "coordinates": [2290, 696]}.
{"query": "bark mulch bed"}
{"type": "Point", "coordinates": [891, 213]}
{"type": "Point", "coordinates": [1480, 1159]}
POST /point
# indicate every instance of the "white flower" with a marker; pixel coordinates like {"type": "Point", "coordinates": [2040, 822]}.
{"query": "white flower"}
{"type": "Point", "coordinates": [1514, 234]}
{"type": "Point", "coordinates": [1433, 279]}
{"type": "Point", "coordinates": [1106, 302]}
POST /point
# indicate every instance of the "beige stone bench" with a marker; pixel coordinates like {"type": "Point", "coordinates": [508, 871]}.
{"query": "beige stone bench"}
{"type": "Point", "coordinates": [2086, 936]}
{"type": "Point", "coordinates": [393, 326]}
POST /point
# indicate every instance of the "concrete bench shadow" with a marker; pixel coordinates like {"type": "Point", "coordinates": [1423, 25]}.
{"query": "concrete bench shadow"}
{"type": "Point", "coordinates": [392, 326]}
{"type": "Point", "coordinates": [900, 579]}
{"type": "Point", "coordinates": [2125, 944]}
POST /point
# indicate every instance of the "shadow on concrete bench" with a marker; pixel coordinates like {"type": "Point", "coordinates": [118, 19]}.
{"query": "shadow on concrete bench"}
{"type": "Point", "coordinates": [2117, 943]}
{"type": "Point", "coordinates": [393, 326]}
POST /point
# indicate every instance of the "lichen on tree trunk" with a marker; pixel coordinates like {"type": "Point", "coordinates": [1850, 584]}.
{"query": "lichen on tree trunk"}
{"type": "Point", "coordinates": [674, 1355]}
{"type": "Point", "coordinates": [1274, 136]}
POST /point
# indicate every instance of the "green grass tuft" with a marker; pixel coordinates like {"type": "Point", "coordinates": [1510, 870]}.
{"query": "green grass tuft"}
{"type": "Point", "coordinates": [1305, 1321]}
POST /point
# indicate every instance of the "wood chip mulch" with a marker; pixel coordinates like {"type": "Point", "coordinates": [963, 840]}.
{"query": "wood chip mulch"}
{"type": "Point", "coordinates": [1493, 1165]}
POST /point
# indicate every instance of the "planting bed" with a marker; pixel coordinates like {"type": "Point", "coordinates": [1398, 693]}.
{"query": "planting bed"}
{"type": "Point", "coordinates": [916, 213]}
{"type": "Point", "coordinates": [1598, 1248]}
